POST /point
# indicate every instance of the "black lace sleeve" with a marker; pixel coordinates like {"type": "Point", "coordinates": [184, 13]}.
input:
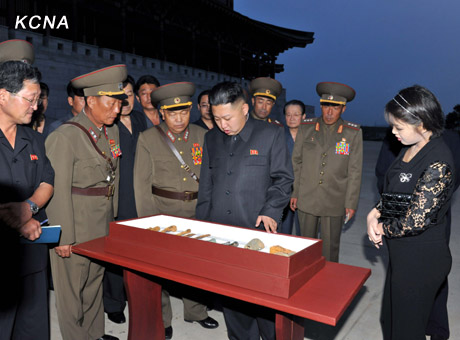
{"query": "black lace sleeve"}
{"type": "Point", "coordinates": [430, 193]}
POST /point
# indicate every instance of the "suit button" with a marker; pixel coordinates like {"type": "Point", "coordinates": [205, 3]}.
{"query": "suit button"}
{"type": "Point", "coordinates": [229, 212]}
{"type": "Point", "coordinates": [181, 152]}
{"type": "Point", "coordinates": [321, 182]}
{"type": "Point", "coordinates": [231, 154]}
{"type": "Point", "coordinates": [323, 164]}
{"type": "Point", "coordinates": [179, 139]}
{"type": "Point", "coordinates": [181, 166]}
{"type": "Point", "coordinates": [321, 173]}
{"type": "Point", "coordinates": [15, 160]}
{"type": "Point", "coordinates": [184, 179]}
{"type": "Point", "coordinates": [229, 172]}
{"type": "Point", "coordinates": [227, 192]}
{"type": "Point", "coordinates": [324, 154]}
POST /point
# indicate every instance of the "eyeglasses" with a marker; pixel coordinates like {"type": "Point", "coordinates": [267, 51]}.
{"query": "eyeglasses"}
{"type": "Point", "coordinates": [32, 102]}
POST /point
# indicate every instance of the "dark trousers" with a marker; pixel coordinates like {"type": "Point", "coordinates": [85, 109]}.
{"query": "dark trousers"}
{"type": "Point", "coordinates": [114, 295]}
{"type": "Point", "coordinates": [290, 218]}
{"type": "Point", "coordinates": [24, 311]}
{"type": "Point", "coordinates": [246, 321]}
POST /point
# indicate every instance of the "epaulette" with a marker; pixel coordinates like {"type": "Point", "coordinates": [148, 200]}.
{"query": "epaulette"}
{"type": "Point", "coordinates": [351, 125]}
{"type": "Point", "coordinates": [308, 121]}
{"type": "Point", "coordinates": [274, 121]}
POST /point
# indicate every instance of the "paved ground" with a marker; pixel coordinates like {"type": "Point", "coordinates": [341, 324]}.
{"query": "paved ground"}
{"type": "Point", "coordinates": [361, 320]}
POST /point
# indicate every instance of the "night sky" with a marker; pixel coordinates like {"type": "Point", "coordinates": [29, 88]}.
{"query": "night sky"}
{"type": "Point", "coordinates": [376, 47]}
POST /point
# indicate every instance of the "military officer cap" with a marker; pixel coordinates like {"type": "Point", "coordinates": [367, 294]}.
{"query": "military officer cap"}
{"type": "Point", "coordinates": [107, 81]}
{"type": "Point", "coordinates": [335, 93]}
{"type": "Point", "coordinates": [265, 87]}
{"type": "Point", "coordinates": [173, 96]}
{"type": "Point", "coordinates": [17, 49]}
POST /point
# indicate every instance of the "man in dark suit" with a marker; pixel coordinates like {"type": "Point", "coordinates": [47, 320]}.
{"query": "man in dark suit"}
{"type": "Point", "coordinates": [246, 179]}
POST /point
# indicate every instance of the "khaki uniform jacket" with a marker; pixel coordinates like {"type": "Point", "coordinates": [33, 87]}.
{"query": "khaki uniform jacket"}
{"type": "Point", "coordinates": [156, 165]}
{"type": "Point", "coordinates": [327, 167]}
{"type": "Point", "coordinates": [77, 163]}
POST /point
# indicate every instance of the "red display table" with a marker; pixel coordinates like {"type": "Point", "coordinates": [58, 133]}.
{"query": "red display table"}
{"type": "Point", "coordinates": [323, 298]}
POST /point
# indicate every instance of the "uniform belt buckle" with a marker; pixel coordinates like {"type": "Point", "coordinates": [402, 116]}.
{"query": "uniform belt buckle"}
{"type": "Point", "coordinates": [188, 196]}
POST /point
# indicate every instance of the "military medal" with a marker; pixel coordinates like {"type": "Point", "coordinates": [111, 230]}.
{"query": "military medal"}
{"type": "Point", "coordinates": [115, 150]}
{"type": "Point", "coordinates": [93, 134]}
{"type": "Point", "coordinates": [197, 153]}
{"type": "Point", "coordinates": [342, 148]}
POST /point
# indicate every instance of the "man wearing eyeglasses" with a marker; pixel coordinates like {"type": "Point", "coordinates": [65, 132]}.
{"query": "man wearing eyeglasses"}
{"type": "Point", "coordinates": [205, 121]}
{"type": "Point", "coordinates": [166, 172]}
{"type": "Point", "coordinates": [26, 185]}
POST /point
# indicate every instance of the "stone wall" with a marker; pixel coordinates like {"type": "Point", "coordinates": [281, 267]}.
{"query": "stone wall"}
{"type": "Point", "coordinates": [60, 60]}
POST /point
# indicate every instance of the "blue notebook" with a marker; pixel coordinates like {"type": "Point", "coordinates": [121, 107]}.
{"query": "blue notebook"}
{"type": "Point", "coordinates": [50, 234]}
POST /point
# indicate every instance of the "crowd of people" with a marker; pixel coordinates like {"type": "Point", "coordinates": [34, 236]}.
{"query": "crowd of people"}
{"type": "Point", "coordinates": [107, 161]}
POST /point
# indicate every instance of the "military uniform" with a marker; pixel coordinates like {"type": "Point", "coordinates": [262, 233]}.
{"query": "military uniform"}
{"type": "Point", "coordinates": [85, 201]}
{"type": "Point", "coordinates": [327, 162]}
{"type": "Point", "coordinates": [161, 183]}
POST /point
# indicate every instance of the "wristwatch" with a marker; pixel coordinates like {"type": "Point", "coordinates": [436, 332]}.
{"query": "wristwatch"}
{"type": "Point", "coordinates": [33, 207]}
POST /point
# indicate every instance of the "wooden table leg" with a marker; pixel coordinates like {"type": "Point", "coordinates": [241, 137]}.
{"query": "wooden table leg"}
{"type": "Point", "coordinates": [288, 327]}
{"type": "Point", "coordinates": [144, 301]}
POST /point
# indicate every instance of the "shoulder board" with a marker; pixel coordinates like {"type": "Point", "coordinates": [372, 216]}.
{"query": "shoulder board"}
{"type": "Point", "coordinates": [351, 125]}
{"type": "Point", "coordinates": [308, 121]}
{"type": "Point", "coordinates": [276, 122]}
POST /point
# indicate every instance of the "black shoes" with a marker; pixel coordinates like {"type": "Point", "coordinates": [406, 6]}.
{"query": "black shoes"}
{"type": "Point", "coordinates": [108, 337]}
{"type": "Point", "coordinates": [206, 323]}
{"type": "Point", "coordinates": [168, 333]}
{"type": "Point", "coordinates": [438, 337]}
{"type": "Point", "coordinates": [117, 317]}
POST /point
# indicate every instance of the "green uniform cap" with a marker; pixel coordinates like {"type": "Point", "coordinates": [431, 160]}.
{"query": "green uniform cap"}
{"type": "Point", "coordinates": [175, 95]}
{"type": "Point", "coordinates": [17, 49]}
{"type": "Point", "coordinates": [107, 81]}
{"type": "Point", "coordinates": [335, 93]}
{"type": "Point", "coordinates": [265, 87]}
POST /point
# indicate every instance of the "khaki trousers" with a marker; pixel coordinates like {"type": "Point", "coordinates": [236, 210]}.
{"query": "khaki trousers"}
{"type": "Point", "coordinates": [331, 230]}
{"type": "Point", "coordinates": [78, 290]}
{"type": "Point", "coordinates": [193, 311]}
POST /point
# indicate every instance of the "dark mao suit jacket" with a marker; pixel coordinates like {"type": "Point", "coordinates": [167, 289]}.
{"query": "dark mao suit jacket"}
{"type": "Point", "coordinates": [244, 176]}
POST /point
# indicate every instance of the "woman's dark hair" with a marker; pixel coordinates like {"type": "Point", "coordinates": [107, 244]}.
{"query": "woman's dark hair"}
{"type": "Point", "coordinates": [226, 92]}
{"type": "Point", "coordinates": [14, 73]}
{"type": "Point", "coordinates": [295, 102]}
{"type": "Point", "coordinates": [416, 105]}
{"type": "Point", "coordinates": [129, 80]}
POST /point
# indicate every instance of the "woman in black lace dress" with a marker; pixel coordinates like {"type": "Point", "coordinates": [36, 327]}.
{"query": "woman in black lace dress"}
{"type": "Point", "coordinates": [419, 255]}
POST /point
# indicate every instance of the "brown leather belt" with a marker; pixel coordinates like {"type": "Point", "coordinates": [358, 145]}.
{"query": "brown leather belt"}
{"type": "Point", "coordinates": [104, 191]}
{"type": "Point", "coordinates": [183, 196]}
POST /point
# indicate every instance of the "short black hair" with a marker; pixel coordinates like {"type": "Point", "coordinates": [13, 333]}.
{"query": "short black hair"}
{"type": "Point", "coordinates": [72, 91]}
{"type": "Point", "coordinates": [295, 102]}
{"type": "Point", "coordinates": [203, 93]}
{"type": "Point", "coordinates": [14, 73]}
{"type": "Point", "coordinates": [45, 90]}
{"type": "Point", "coordinates": [145, 79]}
{"type": "Point", "coordinates": [417, 105]}
{"type": "Point", "coordinates": [226, 92]}
{"type": "Point", "coordinates": [129, 80]}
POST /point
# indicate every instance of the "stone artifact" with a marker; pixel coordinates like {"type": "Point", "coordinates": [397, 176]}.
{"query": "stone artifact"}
{"type": "Point", "coordinates": [278, 250]}
{"type": "Point", "coordinates": [255, 244]}
{"type": "Point", "coordinates": [231, 243]}
{"type": "Point", "coordinates": [157, 228]}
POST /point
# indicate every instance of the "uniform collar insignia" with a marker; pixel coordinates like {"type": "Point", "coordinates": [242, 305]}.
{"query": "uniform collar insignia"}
{"type": "Point", "coordinates": [93, 134]}
{"type": "Point", "coordinates": [171, 136]}
{"type": "Point", "coordinates": [340, 129]}
{"type": "Point", "coordinates": [317, 126]}
{"type": "Point", "coordinates": [186, 133]}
